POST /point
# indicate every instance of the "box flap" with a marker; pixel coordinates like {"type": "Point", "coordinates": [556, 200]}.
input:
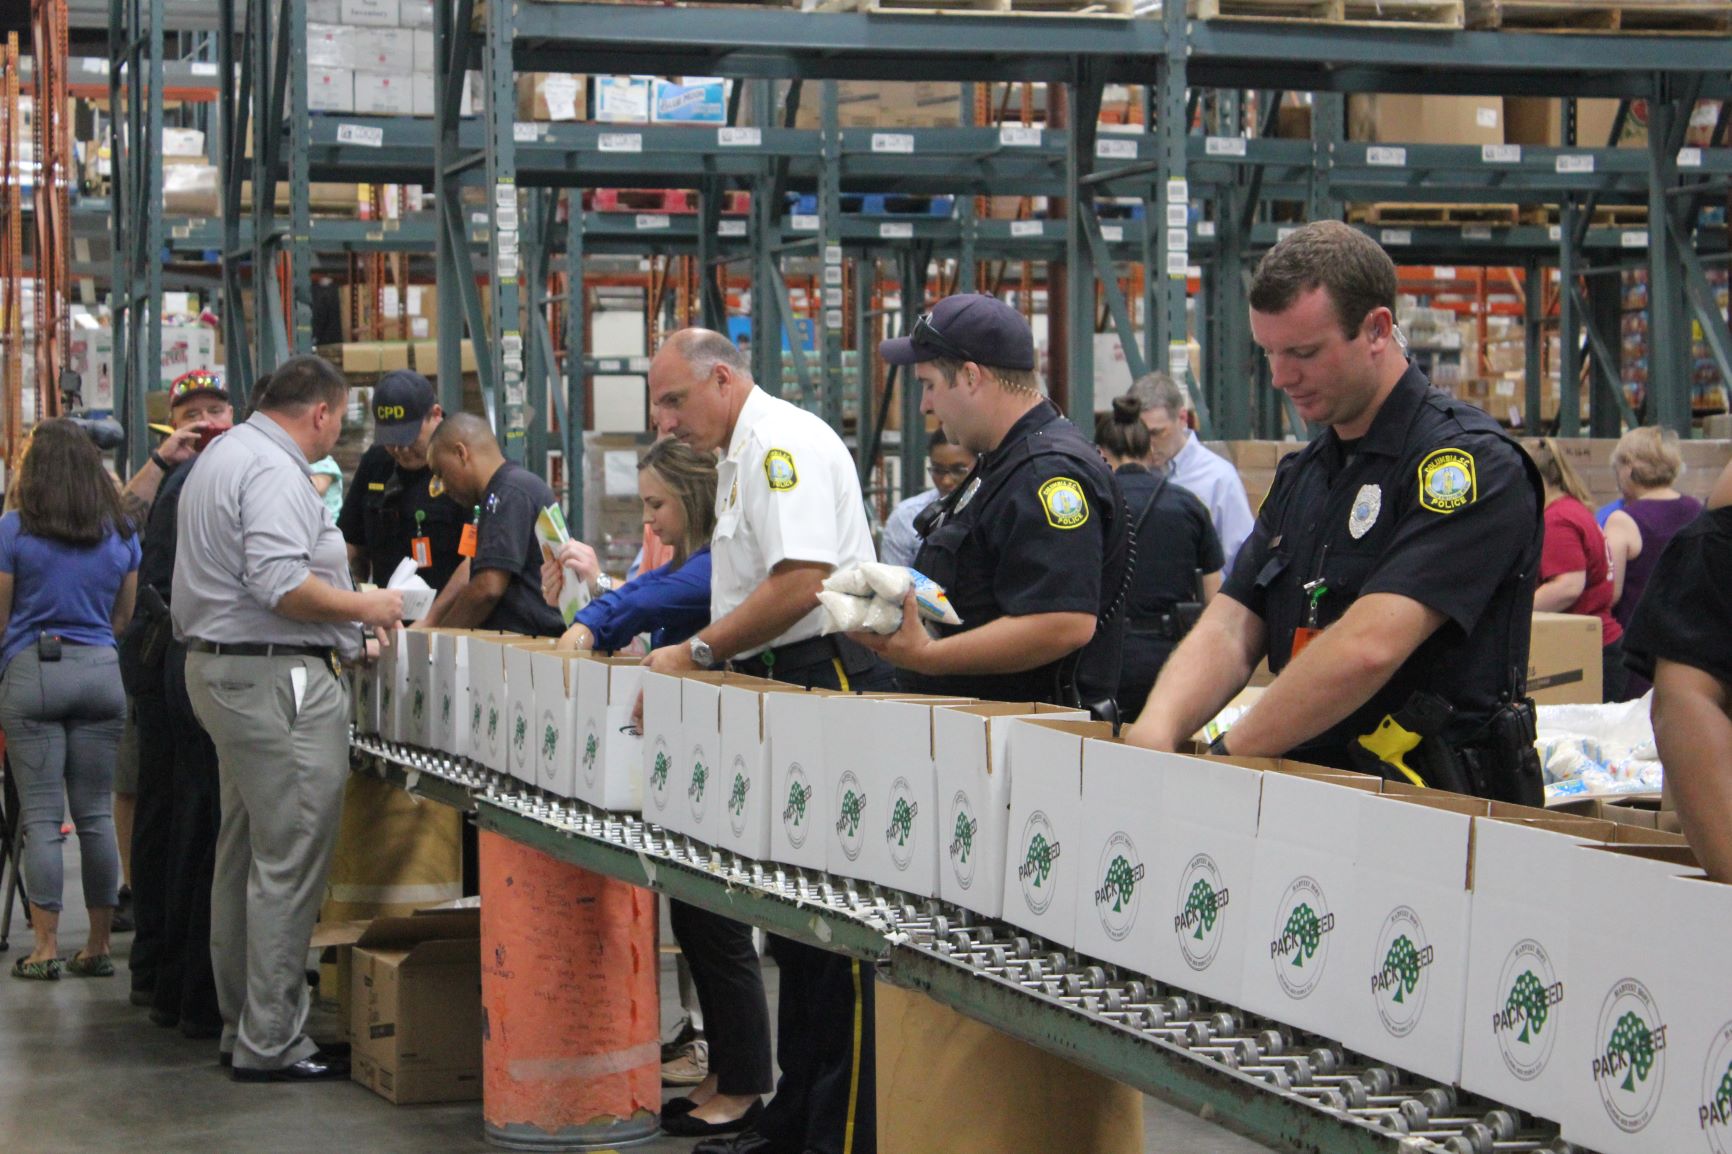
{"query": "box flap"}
{"type": "Point", "coordinates": [406, 932]}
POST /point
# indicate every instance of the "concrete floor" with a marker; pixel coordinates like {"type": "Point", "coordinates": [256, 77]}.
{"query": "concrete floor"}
{"type": "Point", "coordinates": [83, 1070]}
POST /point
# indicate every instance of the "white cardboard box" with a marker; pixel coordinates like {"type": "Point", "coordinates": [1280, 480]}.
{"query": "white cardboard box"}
{"type": "Point", "coordinates": [1201, 883]}
{"type": "Point", "coordinates": [417, 728]}
{"type": "Point", "coordinates": [326, 11]}
{"type": "Point", "coordinates": [799, 790]}
{"type": "Point", "coordinates": [450, 714]}
{"type": "Point", "coordinates": [330, 89]}
{"type": "Point", "coordinates": [378, 13]}
{"type": "Point", "coordinates": [1628, 1088]}
{"type": "Point", "coordinates": [697, 771]}
{"type": "Point", "coordinates": [1045, 831]}
{"type": "Point", "coordinates": [422, 47]}
{"type": "Point", "coordinates": [610, 764]}
{"type": "Point", "coordinates": [487, 703]}
{"type": "Point", "coordinates": [1297, 965]}
{"type": "Point", "coordinates": [555, 733]}
{"type": "Point", "coordinates": [382, 51]}
{"type": "Point", "coordinates": [330, 46]}
{"type": "Point", "coordinates": [415, 13]}
{"type": "Point", "coordinates": [385, 95]}
{"type": "Point", "coordinates": [520, 711]}
{"type": "Point", "coordinates": [621, 99]}
{"type": "Point", "coordinates": [364, 682]}
{"type": "Point", "coordinates": [971, 765]}
{"type": "Point", "coordinates": [853, 809]}
{"type": "Point", "coordinates": [1519, 977]}
{"type": "Point", "coordinates": [744, 823]}
{"type": "Point", "coordinates": [900, 846]}
{"type": "Point", "coordinates": [662, 740]}
{"type": "Point", "coordinates": [1118, 914]}
{"type": "Point", "coordinates": [393, 688]}
{"type": "Point", "coordinates": [1697, 1116]}
{"type": "Point", "coordinates": [1408, 945]}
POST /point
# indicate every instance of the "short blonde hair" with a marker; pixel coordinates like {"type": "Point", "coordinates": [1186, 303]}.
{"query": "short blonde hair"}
{"type": "Point", "coordinates": [1652, 455]}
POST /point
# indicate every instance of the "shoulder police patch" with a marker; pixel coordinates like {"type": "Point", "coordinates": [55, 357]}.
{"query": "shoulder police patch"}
{"type": "Point", "coordinates": [779, 470]}
{"type": "Point", "coordinates": [1063, 502]}
{"type": "Point", "coordinates": [1447, 481]}
{"type": "Point", "coordinates": [436, 486]}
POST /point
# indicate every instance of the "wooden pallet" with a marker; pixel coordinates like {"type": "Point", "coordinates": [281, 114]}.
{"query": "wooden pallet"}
{"type": "Point", "coordinates": [1119, 9]}
{"type": "Point", "coordinates": [1660, 17]}
{"type": "Point", "coordinates": [1421, 215]}
{"type": "Point", "coordinates": [1605, 215]}
{"type": "Point", "coordinates": [1427, 14]}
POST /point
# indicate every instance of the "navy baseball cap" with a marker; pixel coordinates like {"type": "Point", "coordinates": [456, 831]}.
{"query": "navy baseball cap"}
{"type": "Point", "coordinates": [401, 401]}
{"type": "Point", "coordinates": [969, 327]}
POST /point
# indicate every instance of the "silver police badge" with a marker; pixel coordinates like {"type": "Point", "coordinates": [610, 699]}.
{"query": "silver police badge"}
{"type": "Point", "coordinates": [1366, 507]}
{"type": "Point", "coordinates": [968, 495]}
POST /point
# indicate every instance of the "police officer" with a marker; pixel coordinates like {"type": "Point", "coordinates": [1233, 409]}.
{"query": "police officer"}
{"type": "Point", "coordinates": [396, 507]}
{"type": "Point", "coordinates": [1390, 576]}
{"type": "Point", "coordinates": [1033, 547]}
{"type": "Point", "coordinates": [788, 511]}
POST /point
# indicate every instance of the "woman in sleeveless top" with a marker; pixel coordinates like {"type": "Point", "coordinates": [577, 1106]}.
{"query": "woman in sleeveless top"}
{"type": "Point", "coordinates": [1646, 462]}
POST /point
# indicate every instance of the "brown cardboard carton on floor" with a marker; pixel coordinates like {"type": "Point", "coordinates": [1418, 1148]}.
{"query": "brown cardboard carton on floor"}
{"type": "Point", "coordinates": [416, 1008]}
{"type": "Point", "coordinates": [933, 1064]}
{"type": "Point", "coordinates": [1564, 660]}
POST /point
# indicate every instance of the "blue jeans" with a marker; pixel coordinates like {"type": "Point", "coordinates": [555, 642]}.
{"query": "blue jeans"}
{"type": "Point", "coordinates": [63, 721]}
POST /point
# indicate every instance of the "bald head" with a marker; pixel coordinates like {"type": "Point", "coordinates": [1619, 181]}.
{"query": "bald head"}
{"type": "Point", "coordinates": [703, 349]}
{"type": "Point", "coordinates": [698, 383]}
{"type": "Point", "coordinates": [464, 454]}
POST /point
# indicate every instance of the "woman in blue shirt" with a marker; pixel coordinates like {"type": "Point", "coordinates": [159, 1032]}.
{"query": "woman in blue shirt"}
{"type": "Point", "coordinates": [68, 575]}
{"type": "Point", "coordinates": [671, 603]}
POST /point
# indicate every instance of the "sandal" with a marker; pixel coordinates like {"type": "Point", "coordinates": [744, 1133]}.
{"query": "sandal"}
{"type": "Point", "coordinates": [99, 966]}
{"type": "Point", "coordinates": [47, 970]}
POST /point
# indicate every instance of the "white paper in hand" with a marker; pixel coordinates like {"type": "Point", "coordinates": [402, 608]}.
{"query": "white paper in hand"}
{"type": "Point", "coordinates": [417, 594]}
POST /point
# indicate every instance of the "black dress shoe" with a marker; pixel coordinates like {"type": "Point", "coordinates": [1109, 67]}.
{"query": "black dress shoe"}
{"type": "Point", "coordinates": [744, 1140]}
{"type": "Point", "coordinates": [674, 1107]}
{"type": "Point", "coordinates": [318, 1068]}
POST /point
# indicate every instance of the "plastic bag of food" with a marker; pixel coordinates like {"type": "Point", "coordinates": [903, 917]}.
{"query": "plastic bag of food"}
{"type": "Point", "coordinates": [892, 583]}
{"type": "Point", "coordinates": [883, 617]}
{"type": "Point", "coordinates": [843, 613]}
{"type": "Point", "coordinates": [850, 581]}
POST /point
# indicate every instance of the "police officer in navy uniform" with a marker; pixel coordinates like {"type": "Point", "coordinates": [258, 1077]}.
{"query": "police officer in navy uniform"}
{"type": "Point", "coordinates": [1033, 548]}
{"type": "Point", "coordinates": [396, 507]}
{"type": "Point", "coordinates": [1390, 576]}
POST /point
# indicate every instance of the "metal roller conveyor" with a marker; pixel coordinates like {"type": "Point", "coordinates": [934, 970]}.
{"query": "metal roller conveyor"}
{"type": "Point", "coordinates": [1290, 1090]}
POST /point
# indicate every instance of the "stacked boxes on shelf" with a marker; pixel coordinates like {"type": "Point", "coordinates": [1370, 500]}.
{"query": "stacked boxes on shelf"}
{"type": "Point", "coordinates": [375, 58]}
{"type": "Point", "coordinates": [1708, 390]}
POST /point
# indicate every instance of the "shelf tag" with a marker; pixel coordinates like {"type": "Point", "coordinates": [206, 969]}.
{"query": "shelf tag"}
{"type": "Point", "coordinates": [365, 135]}
{"type": "Point", "coordinates": [1574, 163]}
{"type": "Point", "coordinates": [1386, 157]}
{"type": "Point", "coordinates": [1224, 146]}
{"type": "Point", "coordinates": [620, 142]}
{"type": "Point", "coordinates": [892, 142]}
{"type": "Point", "coordinates": [739, 137]}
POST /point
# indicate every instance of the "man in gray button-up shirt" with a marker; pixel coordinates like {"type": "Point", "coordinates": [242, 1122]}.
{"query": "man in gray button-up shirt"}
{"type": "Point", "coordinates": [263, 598]}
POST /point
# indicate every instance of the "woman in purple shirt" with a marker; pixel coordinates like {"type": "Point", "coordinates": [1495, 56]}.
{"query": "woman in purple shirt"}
{"type": "Point", "coordinates": [1646, 462]}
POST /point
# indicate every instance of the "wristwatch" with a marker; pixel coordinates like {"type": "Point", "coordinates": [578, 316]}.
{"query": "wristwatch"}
{"type": "Point", "coordinates": [602, 584]}
{"type": "Point", "coordinates": [701, 653]}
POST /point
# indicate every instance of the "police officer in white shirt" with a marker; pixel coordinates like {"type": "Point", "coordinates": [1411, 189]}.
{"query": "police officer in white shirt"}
{"type": "Point", "coordinates": [788, 511]}
{"type": "Point", "coordinates": [1209, 476]}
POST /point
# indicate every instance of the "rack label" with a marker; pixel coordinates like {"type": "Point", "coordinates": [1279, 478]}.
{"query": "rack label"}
{"type": "Point", "coordinates": [1633, 238]}
{"type": "Point", "coordinates": [833, 298]}
{"type": "Point", "coordinates": [1281, 233]}
{"type": "Point", "coordinates": [1571, 162]}
{"type": "Point", "coordinates": [1178, 215]}
{"type": "Point", "coordinates": [365, 135]}
{"type": "Point", "coordinates": [1017, 136]}
{"type": "Point", "coordinates": [648, 221]}
{"type": "Point", "coordinates": [833, 318]}
{"type": "Point", "coordinates": [1027, 228]}
{"type": "Point", "coordinates": [1178, 240]}
{"type": "Point", "coordinates": [1116, 149]}
{"type": "Point", "coordinates": [896, 230]}
{"type": "Point", "coordinates": [1476, 232]}
{"type": "Point", "coordinates": [833, 274]}
{"type": "Point", "coordinates": [1689, 158]}
{"type": "Point", "coordinates": [1207, 228]}
{"type": "Point", "coordinates": [1112, 233]}
{"type": "Point", "coordinates": [731, 228]}
{"type": "Point", "coordinates": [1395, 236]}
{"type": "Point", "coordinates": [620, 142]}
{"type": "Point", "coordinates": [892, 142]}
{"type": "Point", "coordinates": [1178, 264]}
{"type": "Point", "coordinates": [1386, 157]}
{"type": "Point", "coordinates": [204, 68]}
{"type": "Point", "coordinates": [739, 137]}
{"type": "Point", "coordinates": [1555, 232]}
{"type": "Point", "coordinates": [523, 132]}
{"type": "Point", "coordinates": [1224, 146]}
{"type": "Point", "coordinates": [803, 223]}
{"type": "Point", "coordinates": [1501, 153]}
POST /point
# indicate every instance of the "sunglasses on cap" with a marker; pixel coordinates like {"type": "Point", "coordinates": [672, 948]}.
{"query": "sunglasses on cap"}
{"type": "Point", "coordinates": [926, 333]}
{"type": "Point", "coordinates": [197, 381]}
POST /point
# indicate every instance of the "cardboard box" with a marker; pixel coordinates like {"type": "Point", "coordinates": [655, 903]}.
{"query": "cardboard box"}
{"type": "Point", "coordinates": [1040, 877]}
{"type": "Point", "coordinates": [745, 820]}
{"type": "Point", "coordinates": [662, 723]}
{"type": "Point", "coordinates": [697, 768]}
{"type": "Point", "coordinates": [1536, 120]}
{"type": "Point", "coordinates": [364, 690]}
{"type": "Point", "coordinates": [872, 103]}
{"type": "Point", "coordinates": [1118, 910]}
{"type": "Point", "coordinates": [378, 13]}
{"type": "Point", "coordinates": [487, 702]}
{"type": "Point", "coordinates": [416, 1008]}
{"type": "Point", "coordinates": [385, 95]}
{"type": "Point", "coordinates": [610, 765]}
{"type": "Point", "coordinates": [415, 13]}
{"type": "Point", "coordinates": [421, 103]}
{"type": "Point", "coordinates": [1405, 119]}
{"type": "Point", "coordinates": [1696, 1113]}
{"type": "Point", "coordinates": [1564, 660]}
{"type": "Point", "coordinates": [551, 96]}
{"type": "Point", "coordinates": [556, 730]}
{"type": "Point", "coordinates": [853, 808]}
{"type": "Point", "coordinates": [329, 46]}
{"type": "Point", "coordinates": [93, 361]}
{"type": "Point", "coordinates": [449, 728]}
{"type": "Point", "coordinates": [1409, 942]}
{"type": "Point", "coordinates": [689, 100]}
{"type": "Point", "coordinates": [1200, 883]}
{"type": "Point", "coordinates": [901, 842]}
{"type": "Point", "coordinates": [393, 669]}
{"type": "Point", "coordinates": [326, 11]}
{"type": "Point", "coordinates": [382, 51]}
{"type": "Point", "coordinates": [971, 763]}
{"type": "Point", "coordinates": [621, 99]}
{"type": "Point", "coordinates": [330, 89]}
{"type": "Point", "coordinates": [1298, 968]}
{"type": "Point", "coordinates": [522, 712]}
{"type": "Point", "coordinates": [422, 46]}
{"type": "Point", "coordinates": [799, 784]}
{"type": "Point", "coordinates": [417, 657]}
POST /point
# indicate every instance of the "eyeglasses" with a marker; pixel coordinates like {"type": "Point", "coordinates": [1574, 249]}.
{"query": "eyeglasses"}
{"type": "Point", "coordinates": [926, 333]}
{"type": "Point", "coordinates": [941, 471]}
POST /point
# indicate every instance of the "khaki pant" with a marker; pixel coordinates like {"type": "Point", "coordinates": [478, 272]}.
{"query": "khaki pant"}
{"type": "Point", "coordinates": [281, 730]}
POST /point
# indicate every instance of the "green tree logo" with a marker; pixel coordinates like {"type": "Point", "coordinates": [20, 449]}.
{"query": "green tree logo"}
{"type": "Point", "coordinates": [549, 741]}
{"type": "Point", "coordinates": [962, 840]}
{"type": "Point", "coordinates": [418, 707]}
{"type": "Point", "coordinates": [1528, 998]}
{"type": "Point", "coordinates": [659, 772]}
{"type": "Point", "coordinates": [1037, 863]}
{"type": "Point", "coordinates": [385, 698]}
{"type": "Point", "coordinates": [519, 733]}
{"type": "Point", "coordinates": [1305, 931]}
{"type": "Point", "coordinates": [798, 795]}
{"type": "Point", "coordinates": [475, 718]}
{"type": "Point", "coordinates": [1401, 964]}
{"type": "Point", "coordinates": [591, 747]}
{"type": "Point", "coordinates": [700, 778]}
{"type": "Point", "coordinates": [1120, 883]}
{"type": "Point", "coordinates": [852, 805]}
{"type": "Point", "coordinates": [492, 722]}
{"type": "Point", "coordinates": [902, 821]}
{"type": "Point", "coordinates": [444, 710]}
{"type": "Point", "coordinates": [737, 799]}
{"type": "Point", "coordinates": [1632, 1038]}
{"type": "Point", "coordinates": [1202, 907]}
{"type": "Point", "coordinates": [1723, 1096]}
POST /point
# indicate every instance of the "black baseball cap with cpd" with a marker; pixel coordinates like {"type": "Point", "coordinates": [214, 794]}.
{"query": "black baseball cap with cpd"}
{"type": "Point", "coordinates": [401, 401]}
{"type": "Point", "coordinates": [969, 327]}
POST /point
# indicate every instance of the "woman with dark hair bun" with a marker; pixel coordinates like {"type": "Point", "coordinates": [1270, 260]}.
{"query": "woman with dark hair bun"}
{"type": "Point", "coordinates": [1176, 555]}
{"type": "Point", "coordinates": [68, 574]}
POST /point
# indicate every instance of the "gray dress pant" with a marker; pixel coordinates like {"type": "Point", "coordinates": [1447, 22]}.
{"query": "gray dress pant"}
{"type": "Point", "coordinates": [282, 764]}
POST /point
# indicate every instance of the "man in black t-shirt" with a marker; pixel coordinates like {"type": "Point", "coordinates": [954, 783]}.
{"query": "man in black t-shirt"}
{"type": "Point", "coordinates": [396, 507]}
{"type": "Point", "coordinates": [499, 586]}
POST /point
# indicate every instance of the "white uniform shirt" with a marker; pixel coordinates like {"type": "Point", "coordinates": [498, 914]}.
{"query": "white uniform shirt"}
{"type": "Point", "coordinates": [1214, 482]}
{"type": "Point", "coordinates": [786, 491]}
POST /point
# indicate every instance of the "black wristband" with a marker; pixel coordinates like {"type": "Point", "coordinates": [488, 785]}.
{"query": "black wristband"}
{"type": "Point", "coordinates": [156, 459]}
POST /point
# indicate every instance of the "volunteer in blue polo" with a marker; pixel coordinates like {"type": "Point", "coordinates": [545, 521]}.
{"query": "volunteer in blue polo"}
{"type": "Point", "coordinates": [1390, 576]}
{"type": "Point", "coordinates": [1033, 547]}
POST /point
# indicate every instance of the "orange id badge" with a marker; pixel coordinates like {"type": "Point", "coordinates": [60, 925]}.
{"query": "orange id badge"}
{"type": "Point", "coordinates": [470, 539]}
{"type": "Point", "coordinates": [1302, 637]}
{"type": "Point", "coordinates": [421, 548]}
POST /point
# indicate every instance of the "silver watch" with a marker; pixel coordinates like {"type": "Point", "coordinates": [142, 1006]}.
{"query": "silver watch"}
{"type": "Point", "coordinates": [701, 653]}
{"type": "Point", "coordinates": [603, 584]}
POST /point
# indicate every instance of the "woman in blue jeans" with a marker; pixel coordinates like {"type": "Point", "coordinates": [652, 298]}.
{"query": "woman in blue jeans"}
{"type": "Point", "coordinates": [68, 574]}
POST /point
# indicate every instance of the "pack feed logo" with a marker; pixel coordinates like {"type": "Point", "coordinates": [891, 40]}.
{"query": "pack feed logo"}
{"type": "Point", "coordinates": [899, 834]}
{"type": "Point", "coordinates": [795, 809]}
{"type": "Point", "coordinates": [963, 828]}
{"type": "Point", "coordinates": [1121, 871]}
{"type": "Point", "coordinates": [1714, 1115]}
{"type": "Point", "coordinates": [779, 470]}
{"type": "Point", "coordinates": [1630, 1068]}
{"type": "Point", "coordinates": [851, 808]}
{"type": "Point", "coordinates": [549, 741]}
{"type": "Point", "coordinates": [1040, 851]}
{"type": "Point", "coordinates": [1064, 504]}
{"type": "Point", "coordinates": [658, 778]}
{"type": "Point", "coordinates": [1202, 903]}
{"type": "Point", "coordinates": [1300, 949]}
{"type": "Point", "coordinates": [737, 797]}
{"type": "Point", "coordinates": [1527, 1027]}
{"type": "Point", "coordinates": [1404, 954]}
{"type": "Point", "coordinates": [591, 753]}
{"type": "Point", "coordinates": [519, 731]}
{"type": "Point", "coordinates": [418, 704]}
{"type": "Point", "coordinates": [696, 789]}
{"type": "Point", "coordinates": [475, 717]}
{"type": "Point", "coordinates": [444, 709]}
{"type": "Point", "coordinates": [1447, 481]}
{"type": "Point", "coordinates": [492, 722]}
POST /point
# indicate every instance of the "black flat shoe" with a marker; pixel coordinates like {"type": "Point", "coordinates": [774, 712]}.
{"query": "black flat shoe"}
{"type": "Point", "coordinates": [318, 1068]}
{"type": "Point", "coordinates": [674, 1107]}
{"type": "Point", "coordinates": [686, 1126]}
{"type": "Point", "coordinates": [748, 1141]}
